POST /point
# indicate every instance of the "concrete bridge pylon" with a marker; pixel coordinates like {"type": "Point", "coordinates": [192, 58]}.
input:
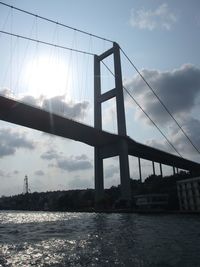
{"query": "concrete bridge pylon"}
{"type": "Point", "coordinates": [113, 149]}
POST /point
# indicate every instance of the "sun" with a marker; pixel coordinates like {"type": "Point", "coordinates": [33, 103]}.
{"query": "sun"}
{"type": "Point", "coordinates": [47, 76]}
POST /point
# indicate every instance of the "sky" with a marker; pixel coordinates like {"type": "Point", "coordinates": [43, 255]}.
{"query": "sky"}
{"type": "Point", "coordinates": [162, 38]}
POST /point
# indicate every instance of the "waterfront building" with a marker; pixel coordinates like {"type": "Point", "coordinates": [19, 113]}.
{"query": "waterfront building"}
{"type": "Point", "coordinates": [151, 201]}
{"type": "Point", "coordinates": [189, 194]}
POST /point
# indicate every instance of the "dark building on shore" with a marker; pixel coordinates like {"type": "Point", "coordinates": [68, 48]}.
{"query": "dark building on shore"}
{"type": "Point", "coordinates": [189, 194]}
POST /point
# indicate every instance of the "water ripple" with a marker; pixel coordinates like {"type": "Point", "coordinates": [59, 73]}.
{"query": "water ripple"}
{"type": "Point", "coordinates": [89, 239]}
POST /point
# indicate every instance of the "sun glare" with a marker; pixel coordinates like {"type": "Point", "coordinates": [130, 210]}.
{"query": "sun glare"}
{"type": "Point", "coordinates": [48, 77]}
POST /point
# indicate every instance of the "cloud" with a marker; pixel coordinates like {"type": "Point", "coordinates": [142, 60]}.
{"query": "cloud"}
{"type": "Point", "coordinates": [30, 100]}
{"type": "Point", "coordinates": [12, 140]}
{"type": "Point", "coordinates": [70, 164]}
{"type": "Point", "coordinates": [4, 174]}
{"type": "Point", "coordinates": [39, 173]}
{"type": "Point", "coordinates": [81, 157]}
{"type": "Point", "coordinates": [50, 154]}
{"type": "Point", "coordinates": [57, 104]}
{"type": "Point", "coordinates": [9, 174]}
{"type": "Point", "coordinates": [6, 92]}
{"type": "Point", "coordinates": [192, 129]}
{"type": "Point", "coordinates": [181, 143]}
{"type": "Point", "coordinates": [161, 18]}
{"type": "Point", "coordinates": [110, 118]}
{"type": "Point", "coordinates": [71, 110]}
{"type": "Point", "coordinates": [111, 170]}
{"type": "Point", "coordinates": [78, 182]}
{"type": "Point", "coordinates": [179, 89]}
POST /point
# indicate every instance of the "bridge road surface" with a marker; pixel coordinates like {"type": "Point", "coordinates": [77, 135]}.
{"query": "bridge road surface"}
{"type": "Point", "coordinates": [16, 112]}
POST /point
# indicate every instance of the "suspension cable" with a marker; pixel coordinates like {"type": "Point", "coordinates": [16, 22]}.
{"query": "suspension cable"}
{"type": "Point", "coordinates": [88, 53]}
{"type": "Point", "coordinates": [55, 22]}
{"type": "Point", "coordinates": [152, 121]}
{"type": "Point", "coordinates": [47, 43]}
{"type": "Point", "coordinates": [161, 102]}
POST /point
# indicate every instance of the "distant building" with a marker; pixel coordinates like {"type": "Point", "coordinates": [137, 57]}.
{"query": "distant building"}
{"type": "Point", "coordinates": [151, 201]}
{"type": "Point", "coordinates": [189, 194]}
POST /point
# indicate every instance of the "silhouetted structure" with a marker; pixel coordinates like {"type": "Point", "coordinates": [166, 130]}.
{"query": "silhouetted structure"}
{"type": "Point", "coordinates": [121, 147]}
{"type": "Point", "coordinates": [26, 189]}
{"type": "Point", "coordinates": [106, 144]}
{"type": "Point", "coordinates": [189, 194]}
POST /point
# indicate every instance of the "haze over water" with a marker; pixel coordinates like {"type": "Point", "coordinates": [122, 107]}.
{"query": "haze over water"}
{"type": "Point", "coordinates": [89, 239]}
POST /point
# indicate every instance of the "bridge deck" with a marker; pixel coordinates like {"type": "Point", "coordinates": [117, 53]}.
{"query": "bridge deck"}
{"type": "Point", "coordinates": [33, 117]}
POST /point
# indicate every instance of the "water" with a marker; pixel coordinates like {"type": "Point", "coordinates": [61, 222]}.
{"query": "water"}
{"type": "Point", "coordinates": [89, 239]}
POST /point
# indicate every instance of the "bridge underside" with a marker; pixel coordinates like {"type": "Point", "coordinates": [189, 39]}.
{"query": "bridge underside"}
{"type": "Point", "coordinates": [32, 117]}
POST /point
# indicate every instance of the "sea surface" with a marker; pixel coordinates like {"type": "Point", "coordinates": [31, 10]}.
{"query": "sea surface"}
{"type": "Point", "coordinates": [90, 239]}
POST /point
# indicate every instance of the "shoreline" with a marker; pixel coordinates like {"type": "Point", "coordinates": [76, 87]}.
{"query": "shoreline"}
{"type": "Point", "coordinates": [117, 211]}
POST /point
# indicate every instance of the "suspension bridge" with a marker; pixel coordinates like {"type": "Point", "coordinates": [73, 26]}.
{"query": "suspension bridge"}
{"type": "Point", "coordinates": [105, 144]}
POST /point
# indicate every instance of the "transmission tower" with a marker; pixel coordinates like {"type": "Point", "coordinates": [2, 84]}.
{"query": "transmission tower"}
{"type": "Point", "coordinates": [26, 190]}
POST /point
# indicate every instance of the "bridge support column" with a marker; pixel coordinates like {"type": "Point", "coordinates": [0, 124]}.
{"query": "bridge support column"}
{"type": "Point", "coordinates": [98, 176]}
{"type": "Point", "coordinates": [122, 146]}
{"type": "Point", "coordinates": [140, 171]}
{"type": "Point", "coordinates": [153, 165]}
{"type": "Point", "coordinates": [124, 171]}
{"type": "Point", "coordinates": [161, 172]}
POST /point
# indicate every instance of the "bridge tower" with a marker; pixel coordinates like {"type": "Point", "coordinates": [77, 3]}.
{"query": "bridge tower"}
{"type": "Point", "coordinates": [115, 149]}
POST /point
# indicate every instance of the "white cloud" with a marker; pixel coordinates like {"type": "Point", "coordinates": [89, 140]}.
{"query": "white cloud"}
{"type": "Point", "coordinates": [192, 129]}
{"type": "Point", "coordinates": [179, 89]}
{"type": "Point", "coordinates": [70, 164]}
{"type": "Point", "coordinates": [56, 104]}
{"type": "Point", "coordinates": [111, 170]}
{"type": "Point", "coordinates": [30, 100]}
{"type": "Point", "coordinates": [12, 140]}
{"type": "Point", "coordinates": [39, 173]}
{"type": "Point", "coordinates": [78, 182]}
{"type": "Point", "coordinates": [4, 174]}
{"type": "Point", "coordinates": [160, 18]}
{"type": "Point", "coordinates": [6, 92]}
{"type": "Point", "coordinates": [50, 154]}
{"type": "Point", "coordinates": [71, 110]}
